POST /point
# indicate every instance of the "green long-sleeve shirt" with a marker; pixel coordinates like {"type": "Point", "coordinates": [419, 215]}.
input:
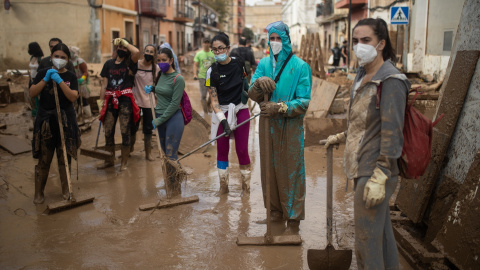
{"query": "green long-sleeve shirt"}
{"type": "Point", "coordinates": [168, 96]}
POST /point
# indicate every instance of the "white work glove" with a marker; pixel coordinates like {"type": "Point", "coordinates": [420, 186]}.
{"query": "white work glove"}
{"type": "Point", "coordinates": [334, 139]}
{"type": "Point", "coordinates": [374, 191]}
{"type": "Point", "coordinates": [120, 41]}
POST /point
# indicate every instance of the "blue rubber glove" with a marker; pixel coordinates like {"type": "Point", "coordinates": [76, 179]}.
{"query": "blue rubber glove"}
{"type": "Point", "coordinates": [148, 89]}
{"type": "Point", "coordinates": [153, 124]}
{"type": "Point", "coordinates": [49, 74]}
{"type": "Point", "coordinates": [56, 78]}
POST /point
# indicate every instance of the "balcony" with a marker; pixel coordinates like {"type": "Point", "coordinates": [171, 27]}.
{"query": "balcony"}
{"type": "Point", "coordinates": [155, 8]}
{"type": "Point", "coordinates": [184, 12]}
{"type": "Point", "coordinates": [345, 3]}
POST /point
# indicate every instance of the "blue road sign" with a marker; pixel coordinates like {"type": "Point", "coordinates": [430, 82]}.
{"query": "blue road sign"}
{"type": "Point", "coordinates": [399, 15]}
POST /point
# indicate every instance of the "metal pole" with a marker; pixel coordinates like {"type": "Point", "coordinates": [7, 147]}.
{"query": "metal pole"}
{"type": "Point", "coordinates": [349, 36]}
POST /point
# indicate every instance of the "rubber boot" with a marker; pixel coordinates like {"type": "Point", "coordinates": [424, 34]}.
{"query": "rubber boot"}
{"type": "Point", "coordinates": [223, 174]}
{"type": "Point", "coordinates": [40, 182]}
{"type": "Point", "coordinates": [111, 161]}
{"type": "Point", "coordinates": [293, 226]}
{"type": "Point", "coordinates": [87, 111]}
{"type": "Point", "coordinates": [125, 153]}
{"type": "Point", "coordinates": [246, 175]}
{"type": "Point", "coordinates": [147, 140]}
{"type": "Point", "coordinates": [64, 182]}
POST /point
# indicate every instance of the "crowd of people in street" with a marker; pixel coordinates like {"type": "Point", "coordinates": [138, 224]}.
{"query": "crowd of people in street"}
{"type": "Point", "coordinates": [280, 83]}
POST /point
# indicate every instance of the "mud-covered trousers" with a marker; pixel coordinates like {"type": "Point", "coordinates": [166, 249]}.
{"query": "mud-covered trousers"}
{"type": "Point", "coordinates": [49, 147]}
{"type": "Point", "coordinates": [241, 142]}
{"type": "Point", "coordinates": [375, 245]}
{"type": "Point", "coordinates": [170, 133]}
{"type": "Point", "coordinates": [124, 114]}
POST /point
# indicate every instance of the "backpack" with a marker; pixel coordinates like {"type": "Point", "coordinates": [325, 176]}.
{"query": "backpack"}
{"type": "Point", "coordinates": [417, 139]}
{"type": "Point", "coordinates": [185, 104]}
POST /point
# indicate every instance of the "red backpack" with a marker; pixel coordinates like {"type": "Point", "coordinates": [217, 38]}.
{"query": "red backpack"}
{"type": "Point", "coordinates": [185, 105]}
{"type": "Point", "coordinates": [417, 139]}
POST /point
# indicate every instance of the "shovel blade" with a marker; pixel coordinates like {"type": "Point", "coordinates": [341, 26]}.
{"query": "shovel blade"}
{"type": "Point", "coordinates": [98, 154]}
{"type": "Point", "coordinates": [329, 258]}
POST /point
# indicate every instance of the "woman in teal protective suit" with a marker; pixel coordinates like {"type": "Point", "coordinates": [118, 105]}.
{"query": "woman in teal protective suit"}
{"type": "Point", "coordinates": [288, 102]}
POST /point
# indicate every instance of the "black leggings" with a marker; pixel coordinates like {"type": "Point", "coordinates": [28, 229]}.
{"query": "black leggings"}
{"type": "Point", "coordinates": [147, 120]}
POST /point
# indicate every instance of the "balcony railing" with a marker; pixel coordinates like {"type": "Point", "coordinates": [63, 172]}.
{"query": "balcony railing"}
{"type": "Point", "coordinates": [153, 8]}
{"type": "Point", "coordinates": [184, 12]}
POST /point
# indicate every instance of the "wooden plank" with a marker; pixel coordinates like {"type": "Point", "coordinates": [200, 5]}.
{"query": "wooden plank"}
{"type": "Point", "coordinates": [66, 204]}
{"type": "Point", "coordinates": [169, 203]}
{"type": "Point", "coordinates": [460, 234]}
{"type": "Point", "coordinates": [414, 195]}
{"type": "Point", "coordinates": [15, 145]}
{"type": "Point", "coordinates": [322, 99]}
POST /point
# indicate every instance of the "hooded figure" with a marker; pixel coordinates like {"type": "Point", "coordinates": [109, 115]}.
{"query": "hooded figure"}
{"type": "Point", "coordinates": [288, 102]}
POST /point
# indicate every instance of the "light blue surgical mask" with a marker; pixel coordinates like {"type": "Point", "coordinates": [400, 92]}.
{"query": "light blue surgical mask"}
{"type": "Point", "coordinates": [221, 57]}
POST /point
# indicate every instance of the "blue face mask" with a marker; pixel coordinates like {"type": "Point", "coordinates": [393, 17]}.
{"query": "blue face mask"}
{"type": "Point", "coordinates": [221, 57]}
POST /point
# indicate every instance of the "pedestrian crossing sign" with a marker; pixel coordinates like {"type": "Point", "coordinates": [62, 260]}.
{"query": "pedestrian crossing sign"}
{"type": "Point", "coordinates": [399, 15]}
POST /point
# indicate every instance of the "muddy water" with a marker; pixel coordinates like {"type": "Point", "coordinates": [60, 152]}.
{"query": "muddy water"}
{"type": "Point", "coordinates": [111, 233]}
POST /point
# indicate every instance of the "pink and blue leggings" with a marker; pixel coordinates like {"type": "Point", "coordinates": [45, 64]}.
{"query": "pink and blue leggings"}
{"type": "Point", "coordinates": [241, 142]}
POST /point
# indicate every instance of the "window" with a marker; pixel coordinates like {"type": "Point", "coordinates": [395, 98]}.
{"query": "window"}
{"type": "Point", "coordinates": [129, 30]}
{"type": "Point", "coordinates": [447, 41]}
{"type": "Point", "coordinates": [115, 34]}
{"type": "Point", "coordinates": [146, 35]}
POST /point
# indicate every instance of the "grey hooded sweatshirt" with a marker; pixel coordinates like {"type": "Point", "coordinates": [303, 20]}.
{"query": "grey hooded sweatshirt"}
{"type": "Point", "coordinates": [374, 137]}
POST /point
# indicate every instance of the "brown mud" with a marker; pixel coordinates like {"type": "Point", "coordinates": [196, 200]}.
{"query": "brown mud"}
{"type": "Point", "coordinates": [111, 233]}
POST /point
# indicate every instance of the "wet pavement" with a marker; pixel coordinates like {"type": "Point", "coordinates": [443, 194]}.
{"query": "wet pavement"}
{"type": "Point", "coordinates": [111, 233]}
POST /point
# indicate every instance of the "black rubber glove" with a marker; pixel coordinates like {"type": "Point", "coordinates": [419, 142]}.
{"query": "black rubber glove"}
{"type": "Point", "coordinates": [226, 127]}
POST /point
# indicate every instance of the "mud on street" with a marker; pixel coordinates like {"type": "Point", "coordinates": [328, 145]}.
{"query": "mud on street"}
{"type": "Point", "coordinates": [111, 233]}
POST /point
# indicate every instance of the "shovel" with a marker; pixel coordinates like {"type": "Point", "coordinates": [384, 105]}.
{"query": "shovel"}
{"type": "Point", "coordinates": [329, 258]}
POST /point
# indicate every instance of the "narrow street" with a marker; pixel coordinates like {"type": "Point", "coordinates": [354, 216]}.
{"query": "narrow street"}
{"type": "Point", "coordinates": [111, 233]}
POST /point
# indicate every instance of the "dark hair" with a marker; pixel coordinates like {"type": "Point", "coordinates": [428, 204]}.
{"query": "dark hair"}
{"type": "Point", "coordinates": [169, 54]}
{"type": "Point", "coordinates": [34, 49]}
{"type": "Point", "coordinates": [55, 39]}
{"type": "Point", "coordinates": [242, 41]}
{"type": "Point", "coordinates": [380, 28]}
{"type": "Point", "coordinates": [61, 47]}
{"type": "Point", "coordinates": [222, 37]}
{"type": "Point", "coordinates": [154, 61]}
{"type": "Point", "coordinates": [206, 40]}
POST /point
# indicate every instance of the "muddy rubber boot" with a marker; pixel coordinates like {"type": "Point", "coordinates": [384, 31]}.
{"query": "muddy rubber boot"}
{"type": "Point", "coordinates": [293, 226]}
{"type": "Point", "coordinates": [147, 140]}
{"type": "Point", "coordinates": [246, 175]}
{"type": "Point", "coordinates": [125, 153]}
{"type": "Point", "coordinates": [109, 162]}
{"type": "Point", "coordinates": [40, 182]}
{"type": "Point", "coordinates": [223, 174]}
{"type": "Point", "coordinates": [87, 111]}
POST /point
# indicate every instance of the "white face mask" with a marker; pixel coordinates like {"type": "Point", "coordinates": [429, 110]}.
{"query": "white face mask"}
{"type": "Point", "coordinates": [365, 53]}
{"type": "Point", "coordinates": [276, 47]}
{"type": "Point", "coordinates": [59, 63]}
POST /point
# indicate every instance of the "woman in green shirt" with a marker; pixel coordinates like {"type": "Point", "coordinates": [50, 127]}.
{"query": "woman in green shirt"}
{"type": "Point", "coordinates": [169, 89]}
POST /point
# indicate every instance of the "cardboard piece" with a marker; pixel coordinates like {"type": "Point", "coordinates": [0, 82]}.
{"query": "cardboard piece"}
{"type": "Point", "coordinates": [321, 99]}
{"type": "Point", "coordinates": [15, 145]}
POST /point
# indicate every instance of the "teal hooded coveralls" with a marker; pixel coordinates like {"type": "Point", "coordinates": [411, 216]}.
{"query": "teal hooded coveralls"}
{"type": "Point", "coordinates": [287, 165]}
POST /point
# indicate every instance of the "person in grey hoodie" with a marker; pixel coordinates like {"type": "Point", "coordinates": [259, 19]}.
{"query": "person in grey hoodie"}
{"type": "Point", "coordinates": [374, 142]}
